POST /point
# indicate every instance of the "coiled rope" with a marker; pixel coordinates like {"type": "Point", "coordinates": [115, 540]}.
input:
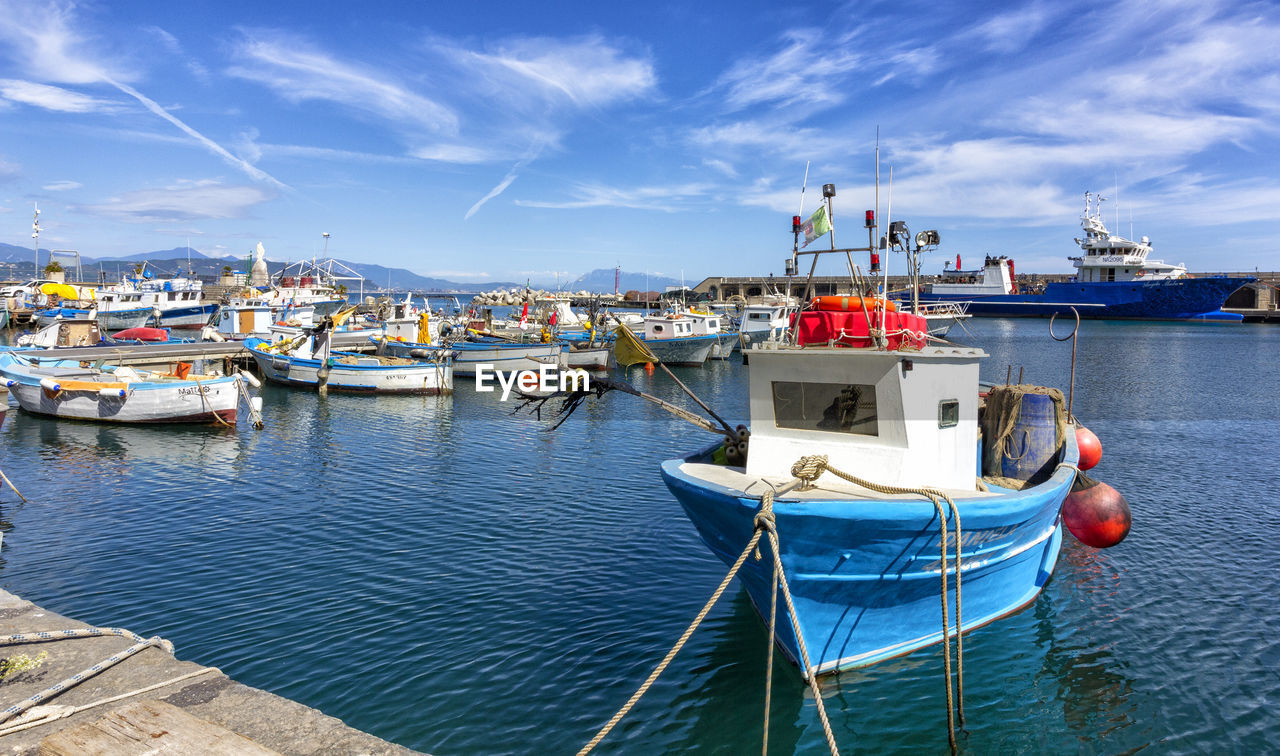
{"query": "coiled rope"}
{"type": "Point", "coordinates": [88, 632]}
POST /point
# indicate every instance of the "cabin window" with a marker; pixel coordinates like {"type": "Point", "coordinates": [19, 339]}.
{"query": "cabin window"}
{"type": "Point", "coordinates": [657, 329]}
{"type": "Point", "coordinates": [833, 407]}
{"type": "Point", "coordinates": [948, 413]}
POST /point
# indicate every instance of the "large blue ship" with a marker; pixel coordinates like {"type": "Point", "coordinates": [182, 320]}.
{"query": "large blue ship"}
{"type": "Point", "coordinates": [1114, 279]}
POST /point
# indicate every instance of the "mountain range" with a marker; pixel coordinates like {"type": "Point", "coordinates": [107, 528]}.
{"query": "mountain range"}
{"type": "Point", "coordinates": [15, 259]}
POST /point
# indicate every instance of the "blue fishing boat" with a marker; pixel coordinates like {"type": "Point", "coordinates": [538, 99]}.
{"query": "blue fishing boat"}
{"type": "Point", "coordinates": [1115, 279]}
{"type": "Point", "coordinates": [891, 478]}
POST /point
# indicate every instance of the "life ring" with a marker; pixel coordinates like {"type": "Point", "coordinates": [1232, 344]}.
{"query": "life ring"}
{"type": "Point", "coordinates": [852, 304]}
{"type": "Point", "coordinates": [1140, 273]}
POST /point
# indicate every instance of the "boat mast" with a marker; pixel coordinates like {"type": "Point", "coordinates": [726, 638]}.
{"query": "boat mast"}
{"type": "Point", "coordinates": [35, 228]}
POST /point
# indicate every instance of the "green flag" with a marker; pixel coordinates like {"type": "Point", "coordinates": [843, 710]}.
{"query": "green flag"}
{"type": "Point", "coordinates": [817, 225]}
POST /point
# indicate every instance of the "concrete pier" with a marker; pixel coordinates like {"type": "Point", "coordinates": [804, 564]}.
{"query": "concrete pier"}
{"type": "Point", "coordinates": [215, 703]}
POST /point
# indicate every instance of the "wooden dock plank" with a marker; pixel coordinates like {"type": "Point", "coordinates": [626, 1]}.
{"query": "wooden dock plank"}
{"type": "Point", "coordinates": [150, 727]}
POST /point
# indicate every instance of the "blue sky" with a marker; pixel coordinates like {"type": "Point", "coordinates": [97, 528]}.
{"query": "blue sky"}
{"type": "Point", "coordinates": [506, 140]}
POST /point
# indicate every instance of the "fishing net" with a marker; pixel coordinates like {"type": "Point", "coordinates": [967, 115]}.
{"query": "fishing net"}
{"type": "Point", "coordinates": [1000, 416]}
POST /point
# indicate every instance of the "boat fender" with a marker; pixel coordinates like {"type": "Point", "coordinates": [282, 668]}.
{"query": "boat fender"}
{"type": "Point", "coordinates": [256, 403]}
{"type": "Point", "coordinates": [10, 383]}
{"type": "Point", "coordinates": [112, 393]}
{"type": "Point", "coordinates": [1090, 448]}
{"type": "Point", "coordinates": [1095, 513]}
{"type": "Point", "coordinates": [731, 454]}
{"type": "Point", "coordinates": [50, 385]}
{"type": "Point", "coordinates": [250, 379]}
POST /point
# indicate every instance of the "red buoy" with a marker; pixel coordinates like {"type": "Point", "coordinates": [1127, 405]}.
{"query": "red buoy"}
{"type": "Point", "coordinates": [1090, 448]}
{"type": "Point", "coordinates": [1095, 513]}
{"type": "Point", "coordinates": [648, 368]}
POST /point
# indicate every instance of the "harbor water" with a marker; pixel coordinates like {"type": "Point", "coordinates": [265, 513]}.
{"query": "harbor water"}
{"type": "Point", "coordinates": [451, 577]}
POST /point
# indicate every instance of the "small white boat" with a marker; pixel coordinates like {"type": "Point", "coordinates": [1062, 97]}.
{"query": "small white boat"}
{"type": "Point", "coordinates": [308, 362]}
{"type": "Point", "coordinates": [586, 356]}
{"type": "Point", "coordinates": [62, 388]}
{"type": "Point", "coordinates": [767, 321]}
{"type": "Point", "coordinates": [671, 339]}
{"type": "Point", "coordinates": [712, 324]}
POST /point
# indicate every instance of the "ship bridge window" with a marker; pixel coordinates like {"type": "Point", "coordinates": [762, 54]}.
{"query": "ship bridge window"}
{"type": "Point", "coordinates": [832, 407]}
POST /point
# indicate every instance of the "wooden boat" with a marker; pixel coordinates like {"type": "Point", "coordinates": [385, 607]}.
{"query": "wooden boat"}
{"type": "Point", "coordinates": [63, 388]}
{"type": "Point", "coordinates": [586, 356]}
{"type": "Point", "coordinates": [308, 362]}
{"type": "Point", "coordinates": [494, 353]}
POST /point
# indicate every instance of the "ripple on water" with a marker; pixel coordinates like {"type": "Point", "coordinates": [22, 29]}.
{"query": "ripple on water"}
{"type": "Point", "coordinates": [449, 577]}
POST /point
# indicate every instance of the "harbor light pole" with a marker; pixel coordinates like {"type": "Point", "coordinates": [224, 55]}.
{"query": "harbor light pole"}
{"type": "Point", "coordinates": [325, 234]}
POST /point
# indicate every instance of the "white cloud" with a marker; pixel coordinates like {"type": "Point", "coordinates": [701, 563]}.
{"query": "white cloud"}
{"type": "Point", "coordinates": [51, 97]}
{"type": "Point", "coordinates": [665, 198]}
{"type": "Point", "coordinates": [453, 153]}
{"type": "Point", "coordinates": [62, 186]}
{"type": "Point", "coordinates": [42, 39]}
{"type": "Point", "coordinates": [299, 71]}
{"type": "Point", "coordinates": [184, 201]}
{"type": "Point", "coordinates": [802, 72]}
{"type": "Point", "coordinates": [1013, 31]}
{"type": "Point", "coordinates": [53, 50]}
{"type": "Point", "coordinates": [494, 192]}
{"type": "Point", "coordinates": [588, 71]}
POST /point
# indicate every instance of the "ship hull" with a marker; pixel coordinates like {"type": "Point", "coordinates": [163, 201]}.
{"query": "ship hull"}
{"type": "Point", "coordinates": [1177, 299]}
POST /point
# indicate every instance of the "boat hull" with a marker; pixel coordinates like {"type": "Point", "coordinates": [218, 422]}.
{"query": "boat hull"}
{"type": "Point", "coordinates": [689, 351]}
{"type": "Point", "coordinates": [1170, 299]}
{"type": "Point", "coordinates": [505, 357]}
{"type": "Point", "coordinates": [196, 316]}
{"type": "Point", "coordinates": [419, 378]}
{"type": "Point", "coordinates": [185, 402]}
{"type": "Point", "coordinates": [865, 573]}
{"type": "Point", "coordinates": [726, 344]}
{"type": "Point", "coordinates": [587, 358]}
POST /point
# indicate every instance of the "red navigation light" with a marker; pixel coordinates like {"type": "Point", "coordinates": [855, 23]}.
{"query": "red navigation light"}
{"type": "Point", "coordinates": [871, 219]}
{"type": "Point", "coordinates": [795, 224]}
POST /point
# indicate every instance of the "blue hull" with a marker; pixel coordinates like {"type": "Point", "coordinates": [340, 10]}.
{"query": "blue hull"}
{"type": "Point", "coordinates": [865, 575]}
{"type": "Point", "coordinates": [1178, 299]}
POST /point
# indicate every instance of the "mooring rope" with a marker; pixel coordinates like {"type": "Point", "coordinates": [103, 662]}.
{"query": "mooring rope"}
{"type": "Point", "coordinates": [805, 471]}
{"type": "Point", "coordinates": [206, 404]}
{"type": "Point", "coordinates": [87, 632]}
{"type": "Point", "coordinates": [764, 522]}
{"type": "Point", "coordinates": [42, 715]}
{"type": "Point", "coordinates": [811, 467]}
{"type": "Point", "coordinates": [644, 687]}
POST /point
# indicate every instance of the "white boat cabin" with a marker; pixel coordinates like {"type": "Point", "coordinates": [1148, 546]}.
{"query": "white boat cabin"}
{"type": "Point", "coordinates": [759, 318]}
{"type": "Point", "coordinates": [897, 418]}
{"type": "Point", "coordinates": [244, 318]}
{"type": "Point", "coordinates": [1108, 257]}
{"type": "Point", "coordinates": [703, 324]}
{"type": "Point", "coordinates": [657, 328]}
